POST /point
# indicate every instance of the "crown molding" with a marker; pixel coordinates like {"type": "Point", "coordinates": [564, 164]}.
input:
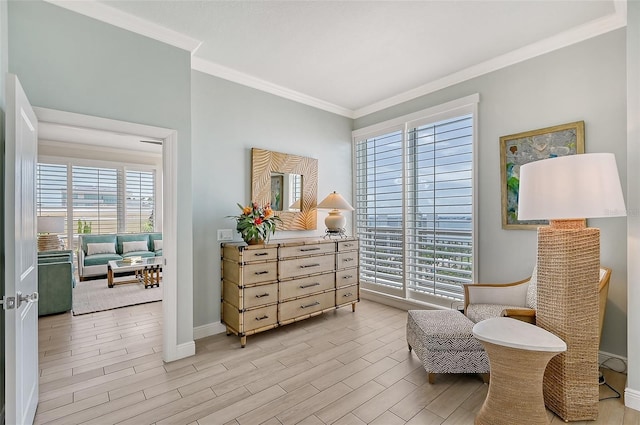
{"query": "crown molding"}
{"type": "Point", "coordinates": [575, 35]}
{"type": "Point", "coordinates": [202, 65]}
{"type": "Point", "coordinates": [105, 13]}
{"type": "Point", "coordinates": [115, 17]}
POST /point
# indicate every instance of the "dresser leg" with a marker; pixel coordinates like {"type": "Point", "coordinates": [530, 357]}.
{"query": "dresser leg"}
{"type": "Point", "coordinates": [353, 307]}
{"type": "Point", "coordinates": [243, 341]}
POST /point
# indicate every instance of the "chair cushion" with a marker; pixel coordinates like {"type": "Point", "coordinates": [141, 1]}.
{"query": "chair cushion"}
{"type": "Point", "coordinates": [532, 290]}
{"type": "Point", "coordinates": [480, 312]}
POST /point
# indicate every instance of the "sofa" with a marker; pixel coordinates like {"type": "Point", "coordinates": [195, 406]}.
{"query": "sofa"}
{"type": "Point", "coordinates": [95, 251]}
{"type": "Point", "coordinates": [55, 282]}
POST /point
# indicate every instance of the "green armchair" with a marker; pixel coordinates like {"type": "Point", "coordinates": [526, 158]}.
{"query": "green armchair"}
{"type": "Point", "coordinates": [55, 282]}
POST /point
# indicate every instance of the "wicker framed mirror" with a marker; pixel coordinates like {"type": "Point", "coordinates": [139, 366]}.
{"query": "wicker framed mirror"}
{"type": "Point", "coordinates": [295, 189]}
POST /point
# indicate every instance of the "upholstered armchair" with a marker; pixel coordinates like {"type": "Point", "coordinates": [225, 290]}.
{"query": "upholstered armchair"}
{"type": "Point", "coordinates": [516, 299]}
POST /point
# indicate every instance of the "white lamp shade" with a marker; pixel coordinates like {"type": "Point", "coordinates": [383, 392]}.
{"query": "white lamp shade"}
{"type": "Point", "coordinates": [334, 201]}
{"type": "Point", "coordinates": [50, 224]}
{"type": "Point", "coordinates": [571, 187]}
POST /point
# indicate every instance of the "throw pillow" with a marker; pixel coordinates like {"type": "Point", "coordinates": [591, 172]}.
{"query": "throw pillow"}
{"type": "Point", "coordinates": [101, 248]}
{"type": "Point", "coordinates": [157, 244]}
{"type": "Point", "coordinates": [134, 246]}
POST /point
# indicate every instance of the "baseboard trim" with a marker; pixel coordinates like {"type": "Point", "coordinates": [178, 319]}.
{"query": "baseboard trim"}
{"type": "Point", "coordinates": [209, 329]}
{"type": "Point", "coordinates": [632, 399]}
{"type": "Point", "coordinates": [187, 349]}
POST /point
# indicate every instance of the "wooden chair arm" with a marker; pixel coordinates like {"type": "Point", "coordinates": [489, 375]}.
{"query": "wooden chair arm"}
{"type": "Point", "coordinates": [524, 314]}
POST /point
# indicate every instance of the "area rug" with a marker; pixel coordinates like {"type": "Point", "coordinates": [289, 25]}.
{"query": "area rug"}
{"type": "Point", "coordinates": [91, 296]}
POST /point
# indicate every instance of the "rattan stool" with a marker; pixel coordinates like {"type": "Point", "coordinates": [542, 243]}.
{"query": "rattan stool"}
{"type": "Point", "coordinates": [443, 341]}
{"type": "Point", "coordinates": [518, 354]}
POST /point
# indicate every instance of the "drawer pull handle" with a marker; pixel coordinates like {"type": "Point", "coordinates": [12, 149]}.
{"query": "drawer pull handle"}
{"type": "Point", "coordinates": [259, 254]}
{"type": "Point", "coordinates": [348, 294]}
{"type": "Point", "coordinates": [348, 245]}
{"type": "Point", "coordinates": [317, 248]}
{"type": "Point", "coordinates": [347, 276]}
{"type": "Point", "coordinates": [309, 265]}
{"type": "Point", "coordinates": [309, 285]}
{"type": "Point", "coordinates": [310, 305]}
{"type": "Point", "coordinates": [262, 318]}
{"type": "Point", "coordinates": [347, 259]}
{"type": "Point", "coordinates": [262, 272]}
{"type": "Point", "coordinates": [266, 294]}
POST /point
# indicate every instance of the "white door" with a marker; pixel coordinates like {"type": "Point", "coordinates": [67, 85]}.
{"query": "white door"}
{"type": "Point", "coordinates": [21, 272]}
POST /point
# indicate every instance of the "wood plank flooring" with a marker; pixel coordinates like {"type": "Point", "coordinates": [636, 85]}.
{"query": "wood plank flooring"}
{"type": "Point", "coordinates": [338, 368]}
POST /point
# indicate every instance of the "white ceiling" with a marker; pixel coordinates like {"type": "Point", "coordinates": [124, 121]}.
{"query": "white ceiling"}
{"type": "Point", "coordinates": [357, 57]}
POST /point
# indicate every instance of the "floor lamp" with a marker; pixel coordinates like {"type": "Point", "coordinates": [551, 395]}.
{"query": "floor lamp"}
{"type": "Point", "coordinates": [567, 190]}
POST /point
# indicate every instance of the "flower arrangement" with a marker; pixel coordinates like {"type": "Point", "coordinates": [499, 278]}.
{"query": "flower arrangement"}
{"type": "Point", "coordinates": [256, 223]}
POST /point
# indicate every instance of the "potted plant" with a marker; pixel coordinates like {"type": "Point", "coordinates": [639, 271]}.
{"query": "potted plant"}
{"type": "Point", "coordinates": [256, 223]}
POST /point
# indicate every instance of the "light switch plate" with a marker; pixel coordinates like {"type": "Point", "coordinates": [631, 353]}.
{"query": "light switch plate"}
{"type": "Point", "coordinates": [225, 234]}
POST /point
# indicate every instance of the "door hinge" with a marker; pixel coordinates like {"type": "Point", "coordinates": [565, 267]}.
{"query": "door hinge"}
{"type": "Point", "coordinates": [8, 303]}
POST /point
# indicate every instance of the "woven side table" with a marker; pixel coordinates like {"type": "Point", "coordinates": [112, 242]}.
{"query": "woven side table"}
{"type": "Point", "coordinates": [518, 354]}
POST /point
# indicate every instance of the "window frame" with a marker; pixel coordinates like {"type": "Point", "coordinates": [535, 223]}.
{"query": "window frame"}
{"type": "Point", "coordinates": [464, 106]}
{"type": "Point", "coordinates": [123, 168]}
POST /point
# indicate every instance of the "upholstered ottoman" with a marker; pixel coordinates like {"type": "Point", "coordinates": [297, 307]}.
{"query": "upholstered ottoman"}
{"type": "Point", "coordinates": [443, 340]}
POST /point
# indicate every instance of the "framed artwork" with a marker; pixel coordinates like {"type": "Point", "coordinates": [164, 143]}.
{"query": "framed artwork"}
{"type": "Point", "coordinates": [522, 148]}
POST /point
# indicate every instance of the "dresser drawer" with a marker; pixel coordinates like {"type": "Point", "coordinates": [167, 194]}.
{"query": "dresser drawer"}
{"type": "Point", "coordinates": [347, 295]}
{"type": "Point", "coordinates": [347, 246]}
{"type": "Point", "coordinates": [290, 310]}
{"type": "Point", "coordinates": [295, 267]}
{"type": "Point", "coordinates": [260, 295]}
{"type": "Point", "coordinates": [306, 285]}
{"type": "Point", "coordinates": [346, 259]}
{"type": "Point", "coordinates": [346, 277]}
{"type": "Point", "coordinates": [260, 317]}
{"type": "Point", "coordinates": [259, 272]}
{"type": "Point", "coordinates": [244, 254]}
{"type": "Point", "coordinates": [304, 250]}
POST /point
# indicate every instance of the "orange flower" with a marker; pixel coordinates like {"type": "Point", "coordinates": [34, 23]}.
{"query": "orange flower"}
{"type": "Point", "coordinates": [268, 212]}
{"type": "Point", "coordinates": [247, 210]}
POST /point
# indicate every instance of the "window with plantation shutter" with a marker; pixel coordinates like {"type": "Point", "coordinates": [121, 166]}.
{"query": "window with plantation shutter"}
{"type": "Point", "coordinates": [414, 205]}
{"type": "Point", "coordinates": [111, 198]}
{"type": "Point", "coordinates": [140, 201]}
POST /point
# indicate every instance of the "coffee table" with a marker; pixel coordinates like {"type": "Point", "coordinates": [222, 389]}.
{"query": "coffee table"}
{"type": "Point", "coordinates": [146, 270]}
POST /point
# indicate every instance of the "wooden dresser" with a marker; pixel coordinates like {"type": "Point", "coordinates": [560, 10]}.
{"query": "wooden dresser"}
{"type": "Point", "coordinates": [270, 285]}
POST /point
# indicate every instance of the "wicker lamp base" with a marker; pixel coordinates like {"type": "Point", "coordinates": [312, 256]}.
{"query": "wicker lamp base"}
{"type": "Point", "coordinates": [48, 242]}
{"type": "Point", "coordinates": [568, 275]}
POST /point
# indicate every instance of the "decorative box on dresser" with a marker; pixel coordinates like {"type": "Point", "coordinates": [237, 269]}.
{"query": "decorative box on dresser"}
{"type": "Point", "coordinates": [270, 285]}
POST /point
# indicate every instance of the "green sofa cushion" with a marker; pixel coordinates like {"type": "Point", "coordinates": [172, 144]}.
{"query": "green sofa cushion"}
{"type": "Point", "coordinates": [130, 238]}
{"type": "Point", "coordinates": [87, 239]}
{"type": "Point", "coordinates": [100, 259]}
{"type": "Point", "coordinates": [143, 254]}
{"type": "Point", "coordinates": [153, 237]}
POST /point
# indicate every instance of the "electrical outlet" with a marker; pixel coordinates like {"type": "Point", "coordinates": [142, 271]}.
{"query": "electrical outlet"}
{"type": "Point", "coordinates": [225, 234]}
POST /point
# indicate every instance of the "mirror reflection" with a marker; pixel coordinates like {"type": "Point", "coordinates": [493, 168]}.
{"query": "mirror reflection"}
{"type": "Point", "coordinates": [286, 191]}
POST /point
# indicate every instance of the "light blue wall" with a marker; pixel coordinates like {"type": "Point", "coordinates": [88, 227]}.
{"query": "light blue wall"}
{"type": "Point", "coordinates": [228, 120]}
{"type": "Point", "coordinates": [69, 62]}
{"type": "Point", "coordinates": [586, 82]}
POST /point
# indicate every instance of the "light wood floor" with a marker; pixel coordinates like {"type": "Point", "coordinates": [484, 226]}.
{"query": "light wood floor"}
{"type": "Point", "coordinates": [341, 367]}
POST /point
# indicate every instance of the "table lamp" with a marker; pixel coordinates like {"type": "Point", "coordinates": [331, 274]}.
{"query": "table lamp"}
{"type": "Point", "coordinates": [335, 221]}
{"type": "Point", "coordinates": [567, 190]}
{"type": "Point", "coordinates": [48, 229]}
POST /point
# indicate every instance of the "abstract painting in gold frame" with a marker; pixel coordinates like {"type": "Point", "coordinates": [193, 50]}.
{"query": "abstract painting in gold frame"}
{"type": "Point", "coordinates": [522, 148]}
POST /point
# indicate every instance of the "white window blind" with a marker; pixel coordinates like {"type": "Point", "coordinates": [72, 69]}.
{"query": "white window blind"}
{"type": "Point", "coordinates": [95, 199]}
{"type": "Point", "coordinates": [140, 201]}
{"type": "Point", "coordinates": [414, 203]}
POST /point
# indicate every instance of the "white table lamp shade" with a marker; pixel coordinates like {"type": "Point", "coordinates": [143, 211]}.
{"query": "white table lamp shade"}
{"type": "Point", "coordinates": [571, 187]}
{"type": "Point", "coordinates": [48, 224]}
{"type": "Point", "coordinates": [335, 221]}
